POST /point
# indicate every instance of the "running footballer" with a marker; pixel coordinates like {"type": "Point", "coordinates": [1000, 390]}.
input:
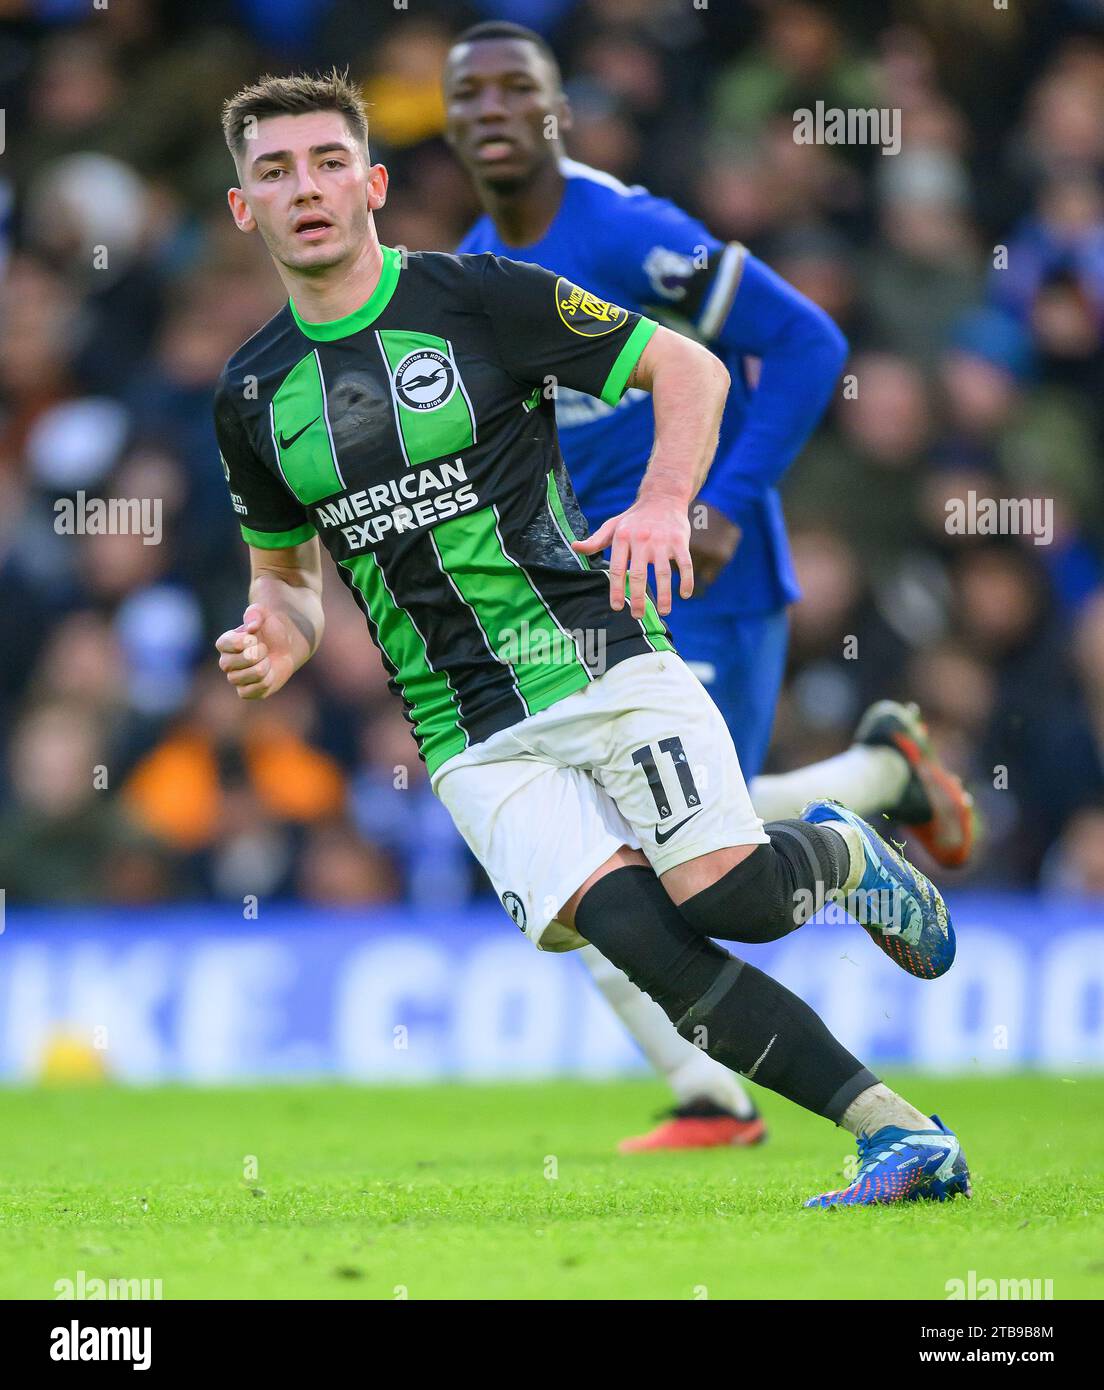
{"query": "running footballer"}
{"type": "Point", "coordinates": [397, 411]}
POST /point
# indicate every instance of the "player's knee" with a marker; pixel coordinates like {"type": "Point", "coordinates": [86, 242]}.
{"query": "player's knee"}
{"type": "Point", "coordinates": [748, 903]}
{"type": "Point", "coordinates": [695, 875]}
{"type": "Point", "coordinates": [623, 857]}
{"type": "Point", "coordinates": [631, 920]}
{"type": "Point", "coordinates": [773, 890]}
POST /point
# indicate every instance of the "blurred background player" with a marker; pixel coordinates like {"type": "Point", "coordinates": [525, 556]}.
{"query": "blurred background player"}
{"type": "Point", "coordinates": [506, 113]}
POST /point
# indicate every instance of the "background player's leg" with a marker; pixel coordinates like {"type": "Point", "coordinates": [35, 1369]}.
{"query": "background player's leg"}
{"type": "Point", "coordinates": [892, 769]}
{"type": "Point", "coordinates": [741, 662]}
{"type": "Point", "coordinates": [700, 1085]}
{"type": "Point", "coordinates": [868, 780]}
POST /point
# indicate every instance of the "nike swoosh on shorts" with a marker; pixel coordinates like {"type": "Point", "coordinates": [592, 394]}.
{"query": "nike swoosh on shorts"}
{"type": "Point", "coordinates": [662, 837]}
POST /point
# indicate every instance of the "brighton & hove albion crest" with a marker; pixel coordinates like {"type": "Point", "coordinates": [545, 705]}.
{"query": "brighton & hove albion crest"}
{"type": "Point", "coordinates": [425, 380]}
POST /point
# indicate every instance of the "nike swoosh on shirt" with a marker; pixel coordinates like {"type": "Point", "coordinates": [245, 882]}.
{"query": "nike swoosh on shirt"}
{"type": "Point", "coordinates": [662, 837]}
{"type": "Point", "coordinates": [286, 441]}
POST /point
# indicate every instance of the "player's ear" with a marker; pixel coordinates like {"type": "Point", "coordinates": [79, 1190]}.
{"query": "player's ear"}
{"type": "Point", "coordinates": [239, 210]}
{"type": "Point", "coordinates": [566, 115]}
{"type": "Point", "coordinates": [377, 187]}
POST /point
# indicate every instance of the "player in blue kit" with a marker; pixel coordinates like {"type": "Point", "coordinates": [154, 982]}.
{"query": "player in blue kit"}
{"type": "Point", "coordinates": [506, 114]}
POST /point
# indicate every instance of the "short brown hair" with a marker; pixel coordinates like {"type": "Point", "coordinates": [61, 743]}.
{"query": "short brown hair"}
{"type": "Point", "coordinates": [293, 96]}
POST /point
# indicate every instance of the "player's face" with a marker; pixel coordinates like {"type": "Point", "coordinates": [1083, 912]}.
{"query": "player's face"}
{"type": "Point", "coordinates": [307, 187]}
{"type": "Point", "coordinates": [499, 94]}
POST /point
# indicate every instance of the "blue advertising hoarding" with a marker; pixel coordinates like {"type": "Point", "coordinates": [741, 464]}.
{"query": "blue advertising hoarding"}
{"type": "Point", "coordinates": [202, 995]}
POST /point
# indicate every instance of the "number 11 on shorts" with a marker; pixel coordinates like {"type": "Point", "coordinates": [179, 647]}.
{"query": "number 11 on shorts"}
{"type": "Point", "coordinates": [646, 759]}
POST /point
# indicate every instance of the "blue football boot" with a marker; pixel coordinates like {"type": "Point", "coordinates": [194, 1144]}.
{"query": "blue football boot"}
{"type": "Point", "coordinates": [900, 908]}
{"type": "Point", "coordinates": [904, 1165]}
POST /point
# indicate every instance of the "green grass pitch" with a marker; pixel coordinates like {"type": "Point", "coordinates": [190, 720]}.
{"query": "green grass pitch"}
{"type": "Point", "coordinates": [515, 1191]}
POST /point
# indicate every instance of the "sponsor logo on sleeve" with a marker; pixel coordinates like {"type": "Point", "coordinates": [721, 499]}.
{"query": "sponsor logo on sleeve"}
{"type": "Point", "coordinates": [584, 313]}
{"type": "Point", "coordinates": [235, 498]}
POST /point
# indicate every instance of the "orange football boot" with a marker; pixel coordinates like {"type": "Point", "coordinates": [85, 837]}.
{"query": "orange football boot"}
{"type": "Point", "coordinates": [699, 1125]}
{"type": "Point", "coordinates": [935, 805]}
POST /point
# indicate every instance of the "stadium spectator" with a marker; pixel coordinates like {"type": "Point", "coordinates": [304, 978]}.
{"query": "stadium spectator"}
{"type": "Point", "coordinates": [967, 271]}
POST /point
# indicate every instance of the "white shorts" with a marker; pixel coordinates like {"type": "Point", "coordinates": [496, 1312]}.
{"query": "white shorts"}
{"type": "Point", "coordinates": [640, 757]}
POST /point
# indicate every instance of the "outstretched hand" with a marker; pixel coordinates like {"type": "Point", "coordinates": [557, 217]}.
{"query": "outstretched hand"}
{"type": "Point", "coordinates": [652, 533]}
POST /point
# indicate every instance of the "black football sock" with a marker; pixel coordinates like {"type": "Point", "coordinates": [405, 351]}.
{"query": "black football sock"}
{"type": "Point", "coordinates": [739, 1016]}
{"type": "Point", "coordinates": [776, 888]}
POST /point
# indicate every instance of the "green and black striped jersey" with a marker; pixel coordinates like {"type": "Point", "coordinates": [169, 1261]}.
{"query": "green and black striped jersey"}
{"type": "Point", "coordinates": [417, 438]}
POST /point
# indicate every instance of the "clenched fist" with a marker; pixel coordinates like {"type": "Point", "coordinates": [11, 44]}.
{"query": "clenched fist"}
{"type": "Point", "coordinates": [257, 655]}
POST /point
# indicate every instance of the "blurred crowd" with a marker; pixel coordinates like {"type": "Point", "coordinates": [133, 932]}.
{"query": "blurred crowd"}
{"type": "Point", "coordinates": [967, 271]}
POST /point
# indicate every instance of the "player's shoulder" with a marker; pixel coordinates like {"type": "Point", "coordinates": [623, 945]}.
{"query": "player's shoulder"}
{"type": "Point", "coordinates": [249, 360]}
{"type": "Point", "coordinates": [597, 188]}
{"type": "Point", "coordinates": [459, 274]}
{"type": "Point", "coordinates": [651, 244]}
{"type": "Point", "coordinates": [445, 265]}
{"type": "Point", "coordinates": [599, 185]}
{"type": "Point", "coordinates": [472, 275]}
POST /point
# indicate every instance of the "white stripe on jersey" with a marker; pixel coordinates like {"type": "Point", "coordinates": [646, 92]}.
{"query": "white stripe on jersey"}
{"type": "Point", "coordinates": [572, 169]}
{"type": "Point", "coordinates": [725, 284]}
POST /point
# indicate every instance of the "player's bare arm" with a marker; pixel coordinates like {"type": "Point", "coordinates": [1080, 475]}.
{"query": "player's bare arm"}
{"type": "Point", "coordinates": [689, 387]}
{"type": "Point", "coordinates": [282, 625]}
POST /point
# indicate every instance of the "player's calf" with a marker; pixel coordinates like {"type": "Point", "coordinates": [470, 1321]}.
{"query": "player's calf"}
{"type": "Point", "coordinates": [734, 1012]}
